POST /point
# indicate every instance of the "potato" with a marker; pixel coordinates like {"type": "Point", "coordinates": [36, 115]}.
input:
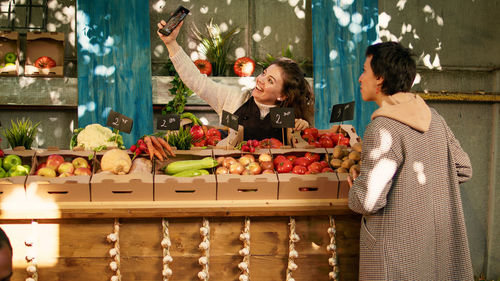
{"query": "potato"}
{"type": "Point", "coordinates": [347, 164]}
{"type": "Point", "coordinates": [353, 169]}
{"type": "Point", "coordinates": [339, 151]}
{"type": "Point", "coordinates": [342, 170]}
{"type": "Point", "coordinates": [355, 155]}
{"type": "Point", "coordinates": [335, 163]}
{"type": "Point", "coordinates": [357, 147]}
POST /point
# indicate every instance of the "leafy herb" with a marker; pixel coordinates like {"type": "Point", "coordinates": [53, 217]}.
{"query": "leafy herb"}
{"type": "Point", "coordinates": [179, 90]}
{"type": "Point", "coordinates": [21, 133]}
{"type": "Point", "coordinates": [74, 139]}
{"type": "Point", "coordinates": [180, 139]}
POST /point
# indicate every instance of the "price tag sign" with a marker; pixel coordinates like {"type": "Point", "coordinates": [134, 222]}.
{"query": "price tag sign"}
{"type": "Point", "coordinates": [282, 117]}
{"type": "Point", "coordinates": [342, 112]}
{"type": "Point", "coordinates": [168, 122]}
{"type": "Point", "coordinates": [229, 120]}
{"type": "Point", "coordinates": [119, 122]}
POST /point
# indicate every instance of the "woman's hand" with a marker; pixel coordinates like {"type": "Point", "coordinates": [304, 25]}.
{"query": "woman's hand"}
{"type": "Point", "coordinates": [301, 124]}
{"type": "Point", "coordinates": [173, 36]}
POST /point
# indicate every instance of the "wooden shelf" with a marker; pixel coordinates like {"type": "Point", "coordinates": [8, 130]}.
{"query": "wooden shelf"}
{"type": "Point", "coordinates": [178, 209]}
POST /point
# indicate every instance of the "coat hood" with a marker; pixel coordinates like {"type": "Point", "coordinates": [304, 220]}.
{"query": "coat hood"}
{"type": "Point", "coordinates": [407, 108]}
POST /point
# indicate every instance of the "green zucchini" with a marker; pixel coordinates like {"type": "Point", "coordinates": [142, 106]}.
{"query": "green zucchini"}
{"type": "Point", "coordinates": [191, 173]}
{"type": "Point", "coordinates": [184, 165]}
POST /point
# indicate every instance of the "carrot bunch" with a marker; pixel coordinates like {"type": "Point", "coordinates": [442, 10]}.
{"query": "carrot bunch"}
{"type": "Point", "coordinates": [153, 146]}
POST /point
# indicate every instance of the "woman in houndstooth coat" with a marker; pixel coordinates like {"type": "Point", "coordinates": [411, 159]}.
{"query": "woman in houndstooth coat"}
{"type": "Point", "coordinates": [408, 188]}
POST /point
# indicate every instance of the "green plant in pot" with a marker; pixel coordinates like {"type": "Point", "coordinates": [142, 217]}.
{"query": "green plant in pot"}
{"type": "Point", "coordinates": [215, 45]}
{"type": "Point", "coordinates": [21, 133]}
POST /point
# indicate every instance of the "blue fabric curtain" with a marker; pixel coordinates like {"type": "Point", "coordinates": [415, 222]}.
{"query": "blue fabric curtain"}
{"type": "Point", "coordinates": [114, 63]}
{"type": "Point", "coordinates": [342, 30]}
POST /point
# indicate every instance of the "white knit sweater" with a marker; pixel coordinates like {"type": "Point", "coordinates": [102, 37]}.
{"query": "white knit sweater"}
{"type": "Point", "coordinates": [218, 96]}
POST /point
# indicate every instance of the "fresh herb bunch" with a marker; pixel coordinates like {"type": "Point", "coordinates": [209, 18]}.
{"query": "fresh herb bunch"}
{"type": "Point", "coordinates": [21, 133]}
{"type": "Point", "coordinates": [179, 90]}
{"type": "Point", "coordinates": [180, 139]}
{"type": "Point", "coordinates": [215, 45]}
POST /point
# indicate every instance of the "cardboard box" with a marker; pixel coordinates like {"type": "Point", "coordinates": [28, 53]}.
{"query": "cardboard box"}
{"type": "Point", "coordinates": [106, 186]}
{"type": "Point", "coordinates": [313, 186]}
{"type": "Point", "coordinates": [9, 43]}
{"type": "Point", "coordinates": [50, 44]}
{"type": "Point", "coordinates": [246, 187]}
{"type": "Point", "coordinates": [169, 188]}
{"type": "Point", "coordinates": [58, 189]}
{"type": "Point", "coordinates": [343, 185]}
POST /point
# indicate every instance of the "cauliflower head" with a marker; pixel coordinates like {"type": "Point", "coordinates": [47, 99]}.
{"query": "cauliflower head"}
{"type": "Point", "coordinates": [95, 136]}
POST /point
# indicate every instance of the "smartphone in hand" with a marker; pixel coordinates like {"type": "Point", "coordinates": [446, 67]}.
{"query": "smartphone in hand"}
{"type": "Point", "coordinates": [174, 21]}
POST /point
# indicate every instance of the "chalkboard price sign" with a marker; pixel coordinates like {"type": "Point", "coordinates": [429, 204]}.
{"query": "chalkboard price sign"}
{"type": "Point", "coordinates": [282, 117]}
{"type": "Point", "coordinates": [229, 120]}
{"type": "Point", "coordinates": [342, 112]}
{"type": "Point", "coordinates": [168, 122]}
{"type": "Point", "coordinates": [119, 122]}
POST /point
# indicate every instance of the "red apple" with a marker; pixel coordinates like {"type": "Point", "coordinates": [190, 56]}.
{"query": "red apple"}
{"type": "Point", "coordinates": [54, 160]}
{"type": "Point", "coordinates": [80, 162]}
{"type": "Point", "coordinates": [82, 172]}
{"type": "Point", "coordinates": [47, 172]}
{"type": "Point", "coordinates": [65, 167]}
{"type": "Point", "coordinates": [204, 66]}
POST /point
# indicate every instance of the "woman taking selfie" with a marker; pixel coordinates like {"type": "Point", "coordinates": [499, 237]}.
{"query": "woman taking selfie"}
{"type": "Point", "coordinates": [282, 84]}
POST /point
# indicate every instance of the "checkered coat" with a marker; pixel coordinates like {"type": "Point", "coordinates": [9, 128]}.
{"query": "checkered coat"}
{"type": "Point", "coordinates": [408, 192]}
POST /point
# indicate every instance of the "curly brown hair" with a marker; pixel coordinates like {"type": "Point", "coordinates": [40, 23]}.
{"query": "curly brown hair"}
{"type": "Point", "coordinates": [297, 90]}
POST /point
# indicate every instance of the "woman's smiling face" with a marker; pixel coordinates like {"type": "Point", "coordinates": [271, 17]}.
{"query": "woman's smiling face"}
{"type": "Point", "coordinates": [269, 85]}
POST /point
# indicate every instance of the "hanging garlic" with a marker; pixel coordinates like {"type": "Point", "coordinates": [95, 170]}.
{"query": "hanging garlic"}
{"type": "Point", "coordinates": [167, 259]}
{"type": "Point", "coordinates": [205, 250]}
{"type": "Point", "coordinates": [203, 260]}
{"type": "Point", "coordinates": [166, 244]}
{"type": "Point", "coordinates": [112, 237]}
{"type": "Point", "coordinates": [31, 269]}
{"type": "Point", "coordinates": [244, 266]}
{"type": "Point", "coordinates": [30, 257]}
{"type": "Point", "coordinates": [244, 252]}
{"type": "Point", "coordinates": [114, 252]}
{"type": "Point", "coordinates": [167, 272]}
{"type": "Point", "coordinates": [332, 247]}
{"type": "Point", "coordinates": [292, 253]}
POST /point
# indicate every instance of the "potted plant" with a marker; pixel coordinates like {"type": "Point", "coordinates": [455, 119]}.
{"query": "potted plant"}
{"type": "Point", "coordinates": [215, 45]}
{"type": "Point", "coordinates": [21, 133]}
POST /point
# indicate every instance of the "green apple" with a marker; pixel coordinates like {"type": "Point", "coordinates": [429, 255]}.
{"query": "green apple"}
{"type": "Point", "coordinates": [10, 57]}
{"type": "Point", "coordinates": [18, 171]}
{"type": "Point", "coordinates": [27, 167]}
{"type": "Point", "coordinates": [10, 161]}
{"type": "Point", "coordinates": [2, 173]}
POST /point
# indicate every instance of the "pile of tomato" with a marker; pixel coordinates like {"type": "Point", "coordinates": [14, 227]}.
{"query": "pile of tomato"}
{"type": "Point", "coordinates": [327, 140]}
{"type": "Point", "coordinates": [202, 136]}
{"type": "Point", "coordinates": [308, 163]}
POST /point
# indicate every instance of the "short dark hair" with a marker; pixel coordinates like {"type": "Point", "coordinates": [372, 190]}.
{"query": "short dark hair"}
{"type": "Point", "coordinates": [394, 63]}
{"type": "Point", "coordinates": [4, 240]}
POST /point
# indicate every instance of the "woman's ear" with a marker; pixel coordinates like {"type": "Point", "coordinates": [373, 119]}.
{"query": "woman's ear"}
{"type": "Point", "coordinates": [281, 98]}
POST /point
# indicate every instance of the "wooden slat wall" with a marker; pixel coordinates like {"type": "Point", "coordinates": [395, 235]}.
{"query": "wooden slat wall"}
{"type": "Point", "coordinates": [76, 249]}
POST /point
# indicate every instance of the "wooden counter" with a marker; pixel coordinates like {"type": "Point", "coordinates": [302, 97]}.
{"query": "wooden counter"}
{"type": "Point", "coordinates": [70, 238]}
